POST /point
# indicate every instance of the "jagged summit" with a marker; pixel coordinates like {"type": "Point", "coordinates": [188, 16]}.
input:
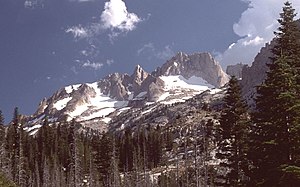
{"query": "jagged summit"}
{"type": "Point", "coordinates": [198, 64]}
{"type": "Point", "coordinates": [139, 75]}
{"type": "Point", "coordinates": [180, 78]}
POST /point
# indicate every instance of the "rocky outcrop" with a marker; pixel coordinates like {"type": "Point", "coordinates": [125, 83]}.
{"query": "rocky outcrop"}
{"type": "Point", "coordinates": [115, 85]}
{"type": "Point", "coordinates": [235, 70]}
{"type": "Point", "coordinates": [197, 64]}
{"type": "Point", "coordinates": [41, 108]}
{"type": "Point", "coordinates": [80, 97]}
{"type": "Point", "coordinates": [138, 76]}
{"type": "Point", "coordinates": [256, 74]}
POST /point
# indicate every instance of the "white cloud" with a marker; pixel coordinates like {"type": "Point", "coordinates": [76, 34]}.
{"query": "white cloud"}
{"type": "Point", "coordinates": [78, 32]}
{"type": "Point", "coordinates": [116, 16]}
{"type": "Point", "coordinates": [148, 46]}
{"type": "Point", "coordinates": [256, 26]}
{"type": "Point", "coordinates": [32, 4]}
{"type": "Point", "coordinates": [166, 53]}
{"type": "Point", "coordinates": [150, 50]}
{"type": "Point", "coordinates": [93, 65]}
{"type": "Point", "coordinates": [256, 41]}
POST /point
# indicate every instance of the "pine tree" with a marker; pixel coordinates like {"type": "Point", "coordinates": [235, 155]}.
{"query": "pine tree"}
{"type": "Point", "coordinates": [4, 157]}
{"type": "Point", "coordinates": [13, 145]}
{"type": "Point", "coordinates": [2, 141]}
{"type": "Point", "coordinates": [22, 163]}
{"type": "Point", "coordinates": [233, 131]}
{"type": "Point", "coordinates": [275, 131]}
{"type": "Point", "coordinates": [106, 158]}
{"type": "Point", "coordinates": [115, 180]}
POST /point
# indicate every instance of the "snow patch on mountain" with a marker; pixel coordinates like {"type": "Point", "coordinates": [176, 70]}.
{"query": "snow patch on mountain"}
{"type": "Point", "coordinates": [78, 111]}
{"type": "Point", "coordinates": [106, 120]}
{"type": "Point", "coordinates": [179, 89]}
{"type": "Point", "coordinates": [71, 88]}
{"type": "Point", "coordinates": [59, 105]}
{"type": "Point", "coordinates": [179, 82]}
{"type": "Point", "coordinates": [98, 106]}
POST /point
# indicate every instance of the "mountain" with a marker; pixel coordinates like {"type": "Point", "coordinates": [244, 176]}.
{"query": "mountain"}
{"type": "Point", "coordinates": [197, 64]}
{"type": "Point", "coordinates": [96, 104]}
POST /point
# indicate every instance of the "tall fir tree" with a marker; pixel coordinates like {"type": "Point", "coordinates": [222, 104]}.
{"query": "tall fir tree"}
{"type": "Point", "coordinates": [275, 136]}
{"type": "Point", "coordinates": [233, 131]}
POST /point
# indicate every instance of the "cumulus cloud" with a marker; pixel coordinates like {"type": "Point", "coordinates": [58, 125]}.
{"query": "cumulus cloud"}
{"type": "Point", "coordinates": [255, 26]}
{"type": "Point", "coordinates": [114, 18]}
{"type": "Point", "coordinates": [256, 41]}
{"type": "Point", "coordinates": [93, 65]}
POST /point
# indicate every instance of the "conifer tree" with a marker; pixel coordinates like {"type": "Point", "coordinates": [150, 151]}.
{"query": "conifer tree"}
{"type": "Point", "coordinates": [13, 145]}
{"type": "Point", "coordinates": [22, 163]}
{"type": "Point", "coordinates": [233, 132]}
{"type": "Point", "coordinates": [2, 141]}
{"type": "Point", "coordinates": [106, 158]}
{"type": "Point", "coordinates": [275, 131]}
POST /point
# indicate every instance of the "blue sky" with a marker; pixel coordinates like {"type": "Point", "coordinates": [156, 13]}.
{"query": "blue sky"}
{"type": "Point", "coordinates": [47, 44]}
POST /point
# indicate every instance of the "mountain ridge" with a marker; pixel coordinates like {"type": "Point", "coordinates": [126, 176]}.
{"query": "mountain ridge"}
{"type": "Point", "coordinates": [180, 78]}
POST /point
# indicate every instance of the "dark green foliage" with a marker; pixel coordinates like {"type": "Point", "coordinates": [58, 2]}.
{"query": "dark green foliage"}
{"type": "Point", "coordinates": [233, 135]}
{"type": "Point", "coordinates": [167, 180]}
{"type": "Point", "coordinates": [274, 146]}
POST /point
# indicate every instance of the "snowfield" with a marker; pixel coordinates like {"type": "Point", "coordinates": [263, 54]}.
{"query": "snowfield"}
{"type": "Point", "coordinates": [71, 88]}
{"type": "Point", "coordinates": [59, 105]}
{"type": "Point", "coordinates": [101, 104]}
{"type": "Point", "coordinates": [179, 82]}
{"type": "Point", "coordinates": [176, 85]}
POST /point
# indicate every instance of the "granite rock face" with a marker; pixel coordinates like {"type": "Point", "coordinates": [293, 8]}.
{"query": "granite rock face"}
{"type": "Point", "coordinates": [235, 70]}
{"type": "Point", "coordinates": [197, 64]}
{"type": "Point", "coordinates": [254, 75]}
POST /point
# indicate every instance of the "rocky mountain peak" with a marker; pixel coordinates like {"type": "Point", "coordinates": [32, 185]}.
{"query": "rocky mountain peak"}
{"type": "Point", "coordinates": [139, 75]}
{"type": "Point", "coordinates": [198, 64]}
